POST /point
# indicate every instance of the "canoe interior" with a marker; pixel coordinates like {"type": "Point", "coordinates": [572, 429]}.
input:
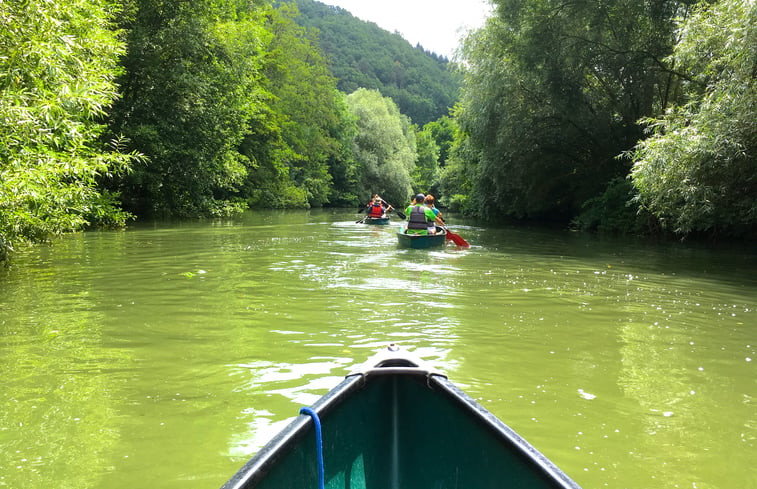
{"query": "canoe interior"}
{"type": "Point", "coordinates": [420, 241]}
{"type": "Point", "coordinates": [401, 432]}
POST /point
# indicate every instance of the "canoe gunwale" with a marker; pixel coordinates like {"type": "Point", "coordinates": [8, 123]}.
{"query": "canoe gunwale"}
{"type": "Point", "coordinates": [398, 365]}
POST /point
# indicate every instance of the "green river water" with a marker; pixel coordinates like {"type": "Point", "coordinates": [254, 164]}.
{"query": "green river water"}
{"type": "Point", "coordinates": [165, 355]}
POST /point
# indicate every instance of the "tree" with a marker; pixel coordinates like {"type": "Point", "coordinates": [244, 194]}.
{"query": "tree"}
{"type": "Point", "coordinates": [435, 143]}
{"type": "Point", "coordinates": [426, 173]}
{"type": "Point", "coordinates": [552, 94]}
{"type": "Point", "coordinates": [457, 175]}
{"type": "Point", "coordinates": [307, 103]}
{"type": "Point", "coordinates": [698, 170]}
{"type": "Point", "coordinates": [342, 165]}
{"type": "Point", "coordinates": [384, 147]}
{"type": "Point", "coordinates": [190, 91]}
{"type": "Point", "coordinates": [443, 130]}
{"type": "Point", "coordinates": [57, 70]}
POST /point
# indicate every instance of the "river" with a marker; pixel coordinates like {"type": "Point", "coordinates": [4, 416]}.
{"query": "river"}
{"type": "Point", "coordinates": [165, 355]}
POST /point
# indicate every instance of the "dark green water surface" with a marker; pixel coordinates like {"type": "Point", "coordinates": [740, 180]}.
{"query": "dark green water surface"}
{"type": "Point", "coordinates": [165, 355]}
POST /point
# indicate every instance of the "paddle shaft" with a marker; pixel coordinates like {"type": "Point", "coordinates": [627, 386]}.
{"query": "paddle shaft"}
{"type": "Point", "coordinates": [399, 212]}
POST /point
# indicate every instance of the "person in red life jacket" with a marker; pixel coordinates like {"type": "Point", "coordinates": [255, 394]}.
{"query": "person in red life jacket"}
{"type": "Point", "coordinates": [377, 207]}
{"type": "Point", "coordinates": [420, 218]}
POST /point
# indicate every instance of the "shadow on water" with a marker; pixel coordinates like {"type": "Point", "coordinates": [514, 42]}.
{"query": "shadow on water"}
{"type": "Point", "coordinates": [724, 261]}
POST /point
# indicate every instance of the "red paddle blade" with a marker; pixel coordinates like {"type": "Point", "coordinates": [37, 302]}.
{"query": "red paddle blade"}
{"type": "Point", "coordinates": [457, 239]}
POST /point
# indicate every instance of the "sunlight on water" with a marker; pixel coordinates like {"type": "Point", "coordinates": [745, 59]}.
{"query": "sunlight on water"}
{"type": "Point", "coordinates": [166, 355]}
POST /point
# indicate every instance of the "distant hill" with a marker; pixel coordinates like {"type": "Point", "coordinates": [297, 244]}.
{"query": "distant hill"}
{"type": "Point", "coordinates": [361, 54]}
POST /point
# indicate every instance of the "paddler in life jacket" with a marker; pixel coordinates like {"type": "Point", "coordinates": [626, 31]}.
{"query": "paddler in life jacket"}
{"type": "Point", "coordinates": [429, 202]}
{"type": "Point", "coordinates": [420, 217]}
{"type": "Point", "coordinates": [377, 207]}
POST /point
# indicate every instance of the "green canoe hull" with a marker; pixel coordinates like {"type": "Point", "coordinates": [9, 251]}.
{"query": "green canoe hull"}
{"type": "Point", "coordinates": [381, 221]}
{"type": "Point", "coordinates": [398, 426]}
{"type": "Point", "coordinates": [417, 241]}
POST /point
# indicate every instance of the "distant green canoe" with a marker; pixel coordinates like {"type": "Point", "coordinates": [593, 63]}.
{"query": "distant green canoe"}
{"type": "Point", "coordinates": [419, 241]}
{"type": "Point", "coordinates": [396, 424]}
{"type": "Point", "coordinates": [381, 221]}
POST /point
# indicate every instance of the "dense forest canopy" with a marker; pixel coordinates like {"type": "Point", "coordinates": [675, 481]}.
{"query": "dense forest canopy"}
{"type": "Point", "coordinates": [551, 119]}
{"type": "Point", "coordinates": [191, 90]}
{"type": "Point", "coordinates": [611, 115]}
{"type": "Point", "coordinates": [58, 63]}
{"type": "Point", "coordinates": [558, 94]}
{"type": "Point", "coordinates": [698, 169]}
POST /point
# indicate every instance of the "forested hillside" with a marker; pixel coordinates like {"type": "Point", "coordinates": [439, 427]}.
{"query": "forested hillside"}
{"type": "Point", "coordinates": [362, 55]}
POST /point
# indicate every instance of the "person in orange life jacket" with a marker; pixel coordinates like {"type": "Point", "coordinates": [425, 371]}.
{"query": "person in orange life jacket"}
{"type": "Point", "coordinates": [420, 217]}
{"type": "Point", "coordinates": [429, 202]}
{"type": "Point", "coordinates": [377, 207]}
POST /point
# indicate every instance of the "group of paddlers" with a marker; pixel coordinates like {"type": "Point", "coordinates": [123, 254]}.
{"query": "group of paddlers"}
{"type": "Point", "coordinates": [422, 215]}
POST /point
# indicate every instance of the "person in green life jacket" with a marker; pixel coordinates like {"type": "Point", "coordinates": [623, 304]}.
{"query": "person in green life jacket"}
{"type": "Point", "coordinates": [420, 217]}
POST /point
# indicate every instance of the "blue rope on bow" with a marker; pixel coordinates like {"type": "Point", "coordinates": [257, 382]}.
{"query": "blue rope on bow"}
{"type": "Point", "coordinates": [318, 445]}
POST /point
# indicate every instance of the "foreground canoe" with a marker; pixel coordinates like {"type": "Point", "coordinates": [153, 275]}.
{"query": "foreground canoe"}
{"type": "Point", "coordinates": [381, 221]}
{"type": "Point", "coordinates": [396, 424]}
{"type": "Point", "coordinates": [419, 241]}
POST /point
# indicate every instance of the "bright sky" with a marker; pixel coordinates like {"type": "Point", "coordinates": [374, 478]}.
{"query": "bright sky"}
{"type": "Point", "coordinates": [438, 25]}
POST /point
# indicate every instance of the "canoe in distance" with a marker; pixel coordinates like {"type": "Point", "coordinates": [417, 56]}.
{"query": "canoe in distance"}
{"type": "Point", "coordinates": [381, 221]}
{"type": "Point", "coordinates": [394, 423]}
{"type": "Point", "coordinates": [419, 241]}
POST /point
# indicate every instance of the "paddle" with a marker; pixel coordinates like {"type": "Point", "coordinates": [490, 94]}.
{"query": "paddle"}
{"type": "Point", "coordinates": [399, 212]}
{"type": "Point", "coordinates": [455, 238]}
